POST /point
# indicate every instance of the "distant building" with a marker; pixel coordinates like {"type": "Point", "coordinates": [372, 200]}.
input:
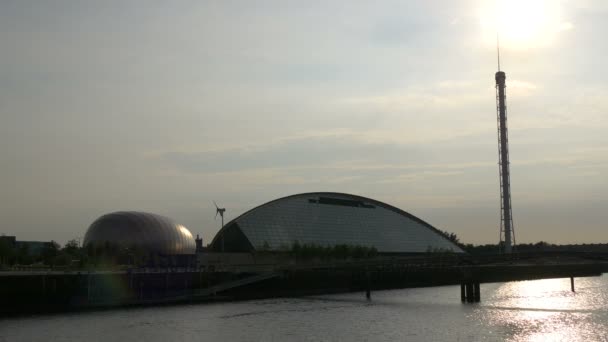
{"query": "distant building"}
{"type": "Point", "coordinates": [32, 248]}
{"type": "Point", "coordinates": [199, 244]}
{"type": "Point", "coordinates": [154, 234]}
{"type": "Point", "coordinates": [329, 219]}
{"type": "Point", "coordinates": [11, 241]}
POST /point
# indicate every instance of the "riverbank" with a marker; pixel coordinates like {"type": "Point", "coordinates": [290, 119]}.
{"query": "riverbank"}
{"type": "Point", "coordinates": [40, 292]}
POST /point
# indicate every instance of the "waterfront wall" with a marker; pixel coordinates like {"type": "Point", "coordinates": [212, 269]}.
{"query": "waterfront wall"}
{"type": "Point", "coordinates": [34, 293]}
{"type": "Point", "coordinates": [60, 291]}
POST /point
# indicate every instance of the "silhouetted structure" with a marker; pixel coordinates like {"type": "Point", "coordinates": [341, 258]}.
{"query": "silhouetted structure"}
{"type": "Point", "coordinates": [199, 244]}
{"type": "Point", "coordinates": [507, 234]}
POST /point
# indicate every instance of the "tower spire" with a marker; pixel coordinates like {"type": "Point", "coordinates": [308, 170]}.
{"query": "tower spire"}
{"type": "Point", "coordinates": [498, 49]}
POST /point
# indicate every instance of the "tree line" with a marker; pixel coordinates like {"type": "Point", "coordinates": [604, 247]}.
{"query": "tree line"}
{"type": "Point", "coordinates": [73, 255]}
{"type": "Point", "coordinates": [541, 246]}
{"type": "Point", "coordinates": [325, 252]}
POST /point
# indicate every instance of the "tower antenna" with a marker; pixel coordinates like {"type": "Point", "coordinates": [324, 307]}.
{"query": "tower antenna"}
{"type": "Point", "coordinates": [498, 48]}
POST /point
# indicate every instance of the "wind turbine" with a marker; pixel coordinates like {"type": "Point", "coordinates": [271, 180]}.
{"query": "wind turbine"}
{"type": "Point", "coordinates": [220, 211]}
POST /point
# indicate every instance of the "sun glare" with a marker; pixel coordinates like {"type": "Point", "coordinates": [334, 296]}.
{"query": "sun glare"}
{"type": "Point", "coordinates": [521, 24]}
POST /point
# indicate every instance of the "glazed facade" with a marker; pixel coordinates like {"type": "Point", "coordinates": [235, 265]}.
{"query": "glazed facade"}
{"type": "Point", "coordinates": [154, 233]}
{"type": "Point", "coordinates": [330, 219]}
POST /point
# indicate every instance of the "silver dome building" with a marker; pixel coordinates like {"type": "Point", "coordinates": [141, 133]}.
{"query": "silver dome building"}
{"type": "Point", "coordinates": [153, 233]}
{"type": "Point", "coordinates": [329, 219]}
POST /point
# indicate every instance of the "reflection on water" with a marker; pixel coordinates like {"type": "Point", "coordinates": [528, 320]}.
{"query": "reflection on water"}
{"type": "Point", "coordinates": [544, 310]}
{"type": "Point", "coordinates": [547, 310]}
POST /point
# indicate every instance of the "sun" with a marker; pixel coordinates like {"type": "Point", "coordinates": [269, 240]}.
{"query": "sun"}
{"type": "Point", "coordinates": [521, 24]}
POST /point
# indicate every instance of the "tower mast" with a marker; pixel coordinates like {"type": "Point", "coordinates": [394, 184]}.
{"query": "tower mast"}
{"type": "Point", "coordinates": [507, 233]}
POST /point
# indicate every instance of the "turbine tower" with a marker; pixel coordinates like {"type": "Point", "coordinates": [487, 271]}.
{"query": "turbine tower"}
{"type": "Point", "coordinates": [507, 233]}
{"type": "Point", "coordinates": [220, 211]}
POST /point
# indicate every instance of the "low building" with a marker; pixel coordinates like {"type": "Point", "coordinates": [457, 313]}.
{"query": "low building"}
{"type": "Point", "coordinates": [34, 248]}
{"type": "Point", "coordinates": [31, 248]}
{"type": "Point", "coordinates": [10, 241]}
{"type": "Point", "coordinates": [330, 219]}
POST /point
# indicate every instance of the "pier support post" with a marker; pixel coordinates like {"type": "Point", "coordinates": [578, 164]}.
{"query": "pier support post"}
{"type": "Point", "coordinates": [477, 293]}
{"type": "Point", "coordinates": [89, 287]}
{"type": "Point", "coordinates": [470, 294]}
{"type": "Point", "coordinates": [463, 296]}
{"type": "Point", "coordinates": [166, 282]}
{"type": "Point", "coordinates": [572, 284]}
{"type": "Point", "coordinates": [368, 291]}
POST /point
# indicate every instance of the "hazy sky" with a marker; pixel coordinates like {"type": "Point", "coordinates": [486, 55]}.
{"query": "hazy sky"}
{"type": "Point", "coordinates": [164, 106]}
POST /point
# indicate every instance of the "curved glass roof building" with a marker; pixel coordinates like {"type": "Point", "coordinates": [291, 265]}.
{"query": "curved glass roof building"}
{"type": "Point", "coordinates": [154, 233]}
{"type": "Point", "coordinates": [327, 218]}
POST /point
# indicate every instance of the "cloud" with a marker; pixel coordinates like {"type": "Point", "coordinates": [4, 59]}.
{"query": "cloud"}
{"type": "Point", "coordinates": [252, 101]}
{"type": "Point", "coordinates": [521, 88]}
{"type": "Point", "coordinates": [318, 150]}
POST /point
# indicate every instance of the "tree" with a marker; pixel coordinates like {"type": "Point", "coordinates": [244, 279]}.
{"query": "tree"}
{"type": "Point", "coordinates": [6, 252]}
{"type": "Point", "coordinates": [72, 248]}
{"type": "Point", "coordinates": [49, 252]}
{"type": "Point", "coordinates": [452, 237]}
{"type": "Point", "coordinates": [62, 259]}
{"type": "Point", "coordinates": [23, 255]}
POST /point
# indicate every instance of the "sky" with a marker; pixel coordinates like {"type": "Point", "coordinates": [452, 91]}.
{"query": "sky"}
{"type": "Point", "coordinates": [166, 106]}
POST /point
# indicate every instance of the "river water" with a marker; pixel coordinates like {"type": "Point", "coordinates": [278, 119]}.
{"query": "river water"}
{"type": "Point", "coordinates": [542, 310]}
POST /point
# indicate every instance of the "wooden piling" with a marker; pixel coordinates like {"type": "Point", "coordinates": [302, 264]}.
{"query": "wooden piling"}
{"type": "Point", "coordinates": [166, 281]}
{"type": "Point", "coordinates": [572, 284]}
{"type": "Point", "coordinates": [470, 295]}
{"type": "Point", "coordinates": [89, 287]}
{"type": "Point", "coordinates": [368, 291]}
{"type": "Point", "coordinates": [477, 293]}
{"type": "Point", "coordinates": [463, 296]}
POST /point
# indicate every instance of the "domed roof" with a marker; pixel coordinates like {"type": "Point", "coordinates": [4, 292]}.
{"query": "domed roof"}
{"type": "Point", "coordinates": [329, 219]}
{"type": "Point", "coordinates": [154, 233]}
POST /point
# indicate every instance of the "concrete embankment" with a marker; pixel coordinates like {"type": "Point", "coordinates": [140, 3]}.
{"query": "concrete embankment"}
{"type": "Point", "coordinates": [31, 292]}
{"type": "Point", "coordinates": [319, 281]}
